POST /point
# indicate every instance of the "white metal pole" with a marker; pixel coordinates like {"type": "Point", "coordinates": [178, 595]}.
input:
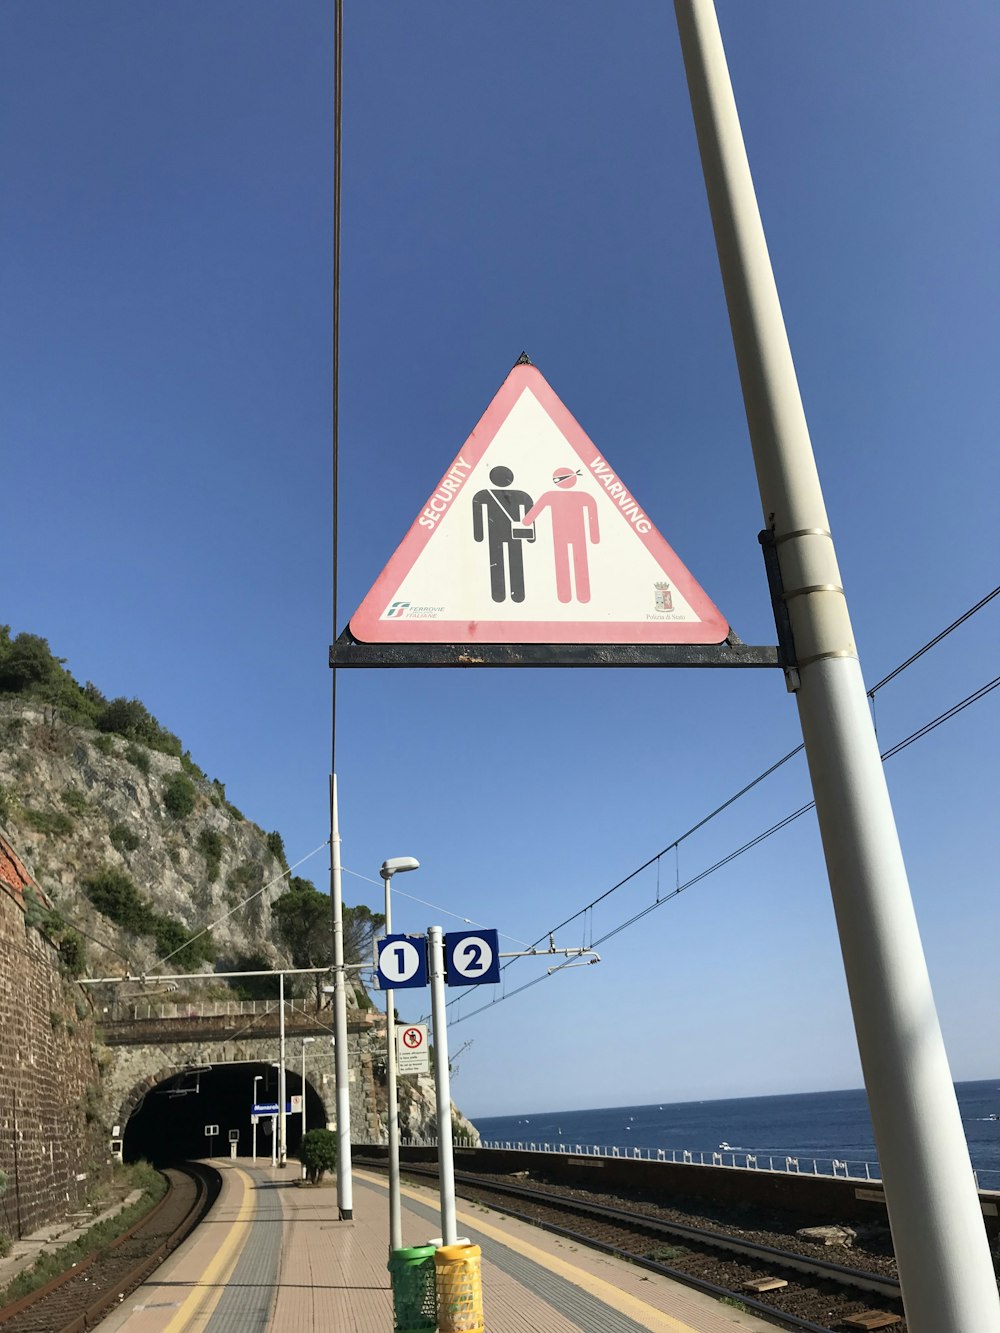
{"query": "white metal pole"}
{"type": "Point", "coordinates": [392, 1109]}
{"type": "Point", "coordinates": [945, 1269]}
{"type": "Point", "coordinates": [274, 1140]}
{"type": "Point", "coordinates": [282, 1118]}
{"type": "Point", "coordinates": [257, 1079]}
{"type": "Point", "coordinates": [345, 1192]}
{"type": "Point", "coordinates": [305, 1041]}
{"type": "Point", "coordinates": [442, 1080]}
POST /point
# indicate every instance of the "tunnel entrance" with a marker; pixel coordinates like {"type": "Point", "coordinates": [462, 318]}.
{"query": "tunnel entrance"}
{"type": "Point", "coordinates": [169, 1123]}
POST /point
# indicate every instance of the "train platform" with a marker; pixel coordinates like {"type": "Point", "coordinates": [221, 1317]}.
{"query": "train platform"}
{"type": "Point", "coordinates": [272, 1257]}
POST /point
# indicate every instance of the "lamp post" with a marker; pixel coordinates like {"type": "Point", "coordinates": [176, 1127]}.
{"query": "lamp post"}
{"type": "Point", "coordinates": [341, 1074]}
{"type": "Point", "coordinates": [282, 1090]}
{"type": "Point", "coordinates": [253, 1116]}
{"type": "Point", "coordinates": [274, 1118]}
{"type": "Point", "coordinates": [396, 866]}
{"type": "Point", "coordinates": [305, 1043]}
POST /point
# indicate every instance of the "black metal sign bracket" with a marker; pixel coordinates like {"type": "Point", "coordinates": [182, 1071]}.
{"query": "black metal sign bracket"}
{"type": "Point", "coordinates": [782, 624]}
{"type": "Point", "coordinates": [733, 652]}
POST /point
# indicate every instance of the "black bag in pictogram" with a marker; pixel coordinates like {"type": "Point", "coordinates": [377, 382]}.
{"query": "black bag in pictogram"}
{"type": "Point", "coordinates": [520, 534]}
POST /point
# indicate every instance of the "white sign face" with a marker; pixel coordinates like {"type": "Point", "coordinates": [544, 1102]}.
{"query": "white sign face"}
{"type": "Point", "coordinates": [234, 1136]}
{"type": "Point", "coordinates": [211, 1131]}
{"type": "Point", "coordinates": [531, 537]}
{"type": "Point", "coordinates": [412, 1054]}
{"type": "Point", "coordinates": [296, 1104]}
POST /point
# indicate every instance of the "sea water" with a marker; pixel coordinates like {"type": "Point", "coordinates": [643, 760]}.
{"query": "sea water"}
{"type": "Point", "coordinates": [805, 1125]}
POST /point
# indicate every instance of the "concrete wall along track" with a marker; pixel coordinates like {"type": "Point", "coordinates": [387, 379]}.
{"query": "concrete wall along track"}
{"type": "Point", "coordinates": [825, 1198]}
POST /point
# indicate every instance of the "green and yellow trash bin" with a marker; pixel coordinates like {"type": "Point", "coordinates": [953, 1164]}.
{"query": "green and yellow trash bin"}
{"type": "Point", "coordinates": [459, 1289]}
{"type": "Point", "coordinates": [412, 1273]}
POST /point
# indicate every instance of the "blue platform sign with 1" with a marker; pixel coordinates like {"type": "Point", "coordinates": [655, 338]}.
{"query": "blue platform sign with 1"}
{"type": "Point", "coordinates": [402, 962]}
{"type": "Point", "coordinates": [472, 957]}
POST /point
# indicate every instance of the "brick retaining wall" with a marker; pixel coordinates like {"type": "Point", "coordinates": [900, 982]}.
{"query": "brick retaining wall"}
{"type": "Point", "coordinates": [51, 1142]}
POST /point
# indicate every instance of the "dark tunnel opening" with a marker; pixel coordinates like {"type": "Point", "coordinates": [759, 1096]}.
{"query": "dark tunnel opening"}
{"type": "Point", "coordinates": [169, 1123]}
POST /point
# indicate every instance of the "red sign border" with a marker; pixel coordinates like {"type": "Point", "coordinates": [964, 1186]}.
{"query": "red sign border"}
{"type": "Point", "coordinates": [366, 623]}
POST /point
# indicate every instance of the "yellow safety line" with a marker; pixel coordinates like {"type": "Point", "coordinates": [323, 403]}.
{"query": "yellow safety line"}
{"type": "Point", "coordinates": [210, 1286]}
{"type": "Point", "coordinates": [657, 1320]}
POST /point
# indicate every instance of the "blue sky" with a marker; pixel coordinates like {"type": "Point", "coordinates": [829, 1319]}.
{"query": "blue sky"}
{"type": "Point", "coordinates": [518, 177]}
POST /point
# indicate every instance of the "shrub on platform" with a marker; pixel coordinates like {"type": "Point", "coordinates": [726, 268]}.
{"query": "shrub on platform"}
{"type": "Point", "coordinates": [318, 1153]}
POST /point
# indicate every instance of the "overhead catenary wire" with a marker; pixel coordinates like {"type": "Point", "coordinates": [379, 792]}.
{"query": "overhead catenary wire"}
{"type": "Point", "coordinates": [673, 846]}
{"type": "Point", "coordinates": [737, 852]}
{"type": "Point", "coordinates": [773, 768]}
{"type": "Point", "coordinates": [249, 899]}
{"type": "Point", "coordinates": [933, 643]}
{"type": "Point", "coordinates": [433, 907]}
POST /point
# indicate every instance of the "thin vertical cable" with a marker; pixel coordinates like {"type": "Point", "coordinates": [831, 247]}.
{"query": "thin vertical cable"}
{"type": "Point", "coordinates": [338, 110]}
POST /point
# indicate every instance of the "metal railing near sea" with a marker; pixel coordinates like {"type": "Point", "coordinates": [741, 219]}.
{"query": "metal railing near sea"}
{"type": "Point", "coordinates": [842, 1167]}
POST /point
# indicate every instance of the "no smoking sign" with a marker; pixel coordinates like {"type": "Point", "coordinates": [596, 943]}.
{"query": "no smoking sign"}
{"type": "Point", "coordinates": [411, 1049]}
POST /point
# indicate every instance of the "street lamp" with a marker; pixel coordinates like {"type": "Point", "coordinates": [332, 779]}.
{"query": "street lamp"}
{"type": "Point", "coordinates": [305, 1043]}
{"type": "Point", "coordinates": [398, 865]}
{"type": "Point", "coordinates": [257, 1079]}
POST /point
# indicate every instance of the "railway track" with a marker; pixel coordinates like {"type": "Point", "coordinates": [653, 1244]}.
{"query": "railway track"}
{"type": "Point", "coordinates": [78, 1299]}
{"type": "Point", "coordinates": [818, 1294]}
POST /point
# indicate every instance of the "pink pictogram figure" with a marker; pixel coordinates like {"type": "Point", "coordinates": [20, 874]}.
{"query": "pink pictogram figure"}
{"type": "Point", "coordinates": [569, 530]}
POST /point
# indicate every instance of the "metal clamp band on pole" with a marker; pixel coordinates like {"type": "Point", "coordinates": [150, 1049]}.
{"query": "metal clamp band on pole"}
{"type": "Point", "coordinates": [945, 1267]}
{"type": "Point", "coordinates": [813, 587]}
{"type": "Point", "coordinates": [823, 657]}
{"type": "Point", "coordinates": [803, 532]}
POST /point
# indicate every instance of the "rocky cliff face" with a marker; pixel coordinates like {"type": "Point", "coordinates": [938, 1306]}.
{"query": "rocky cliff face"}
{"type": "Point", "coordinates": [78, 801]}
{"type": "Point", "coordinates": [80, 804]}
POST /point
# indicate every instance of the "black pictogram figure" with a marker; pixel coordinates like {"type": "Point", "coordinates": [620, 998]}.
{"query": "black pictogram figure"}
{"type": "Point", "coordinates": [505, 532]}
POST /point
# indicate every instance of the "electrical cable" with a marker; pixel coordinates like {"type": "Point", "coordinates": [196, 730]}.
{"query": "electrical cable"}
{"type": "Point", "coordinates": [226, 915]}
{"type": "Point", "coordinates": [673, 846]}
{"type": "Point", "coordinates": [932, 643]}
{"type": "Point", "coordinates": [914, 736]}
{"type": "Point", "coordinates": [399, 893]}
{"type": "Point", "coordinates": [943, 717]}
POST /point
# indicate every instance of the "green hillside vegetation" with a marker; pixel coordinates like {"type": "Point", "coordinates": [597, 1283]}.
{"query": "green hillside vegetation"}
{"type": "Point", "coordinates": [301, 915]}
{"type": "Point", "coordinates": [114, 894]}
{"type": "Point", "coordinates": [28, 666]}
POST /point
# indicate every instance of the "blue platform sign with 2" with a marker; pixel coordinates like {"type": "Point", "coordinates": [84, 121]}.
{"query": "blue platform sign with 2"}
{"type": "Point", "coordinates": [402, 962]}
{"type": "Point", "coordinates": [472, 957]}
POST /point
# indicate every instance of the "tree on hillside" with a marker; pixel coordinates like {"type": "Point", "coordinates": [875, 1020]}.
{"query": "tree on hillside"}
{"type": "Point", "coordinates": [133, 720]}
{"type": "Point", "coordinates": [360, 924]}
{"type": "Point", "coordinates": [25, 661]}
{"type": "Point", "coordinates": [28, 666]}
{"type": "Point", "coordinates": [305, 924]}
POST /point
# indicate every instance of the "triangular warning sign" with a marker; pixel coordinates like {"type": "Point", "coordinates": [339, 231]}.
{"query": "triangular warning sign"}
{"type": "Point", "coordinates": [531, 537]}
